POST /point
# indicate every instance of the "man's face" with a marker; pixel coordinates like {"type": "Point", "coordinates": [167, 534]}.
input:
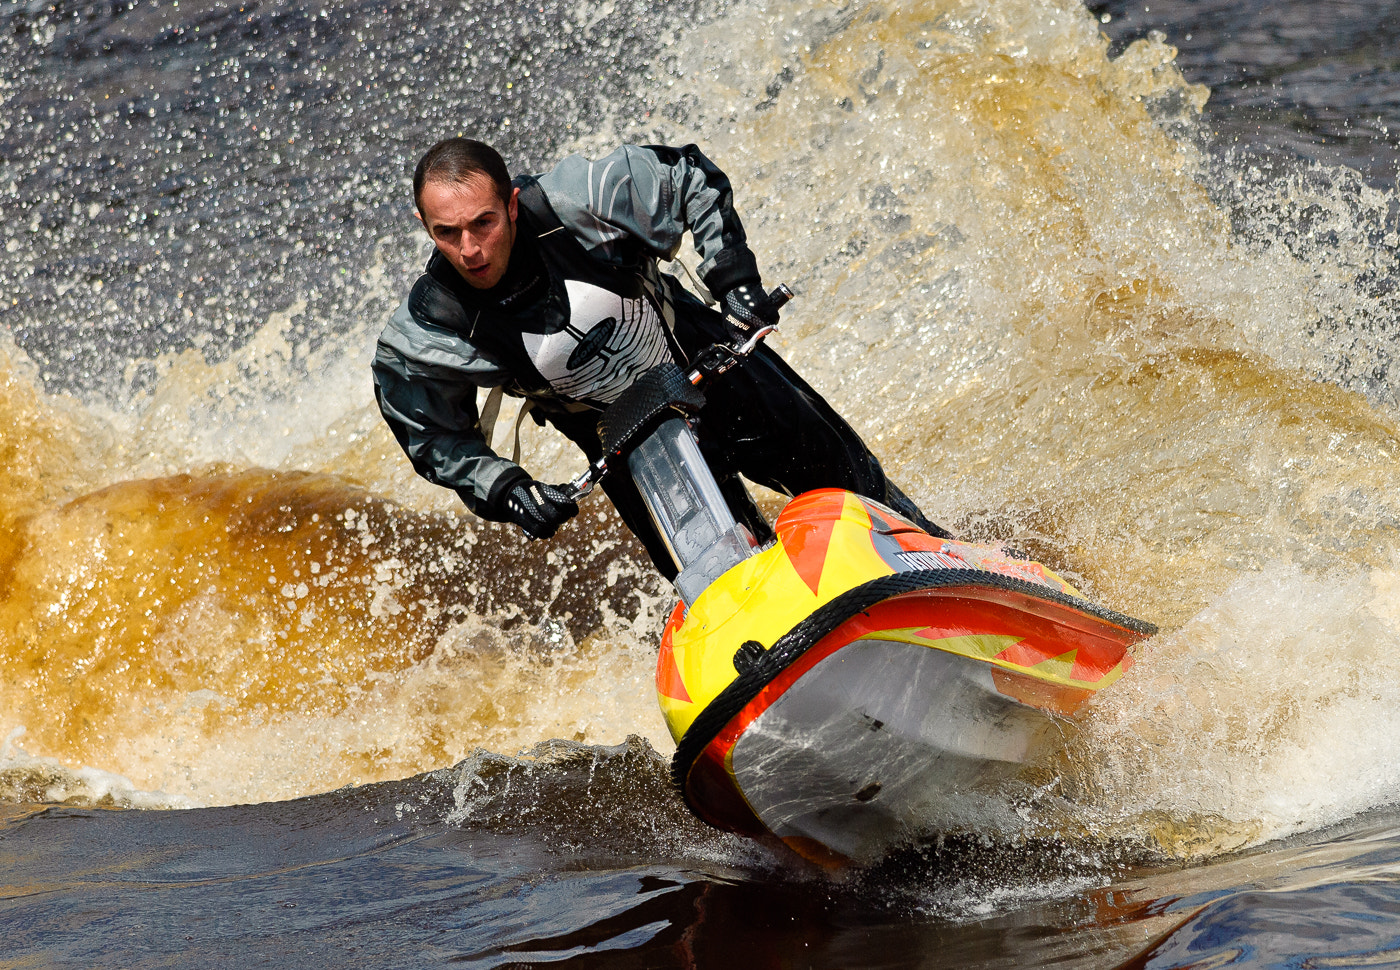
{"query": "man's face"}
{"type": "Point", "coordinates": [471, 226]}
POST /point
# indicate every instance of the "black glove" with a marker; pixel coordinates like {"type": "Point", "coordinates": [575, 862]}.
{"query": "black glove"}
{"type": "Point", "coordinates": [749, 307]}
{"type": "Point", "coordinates": [539, 509]}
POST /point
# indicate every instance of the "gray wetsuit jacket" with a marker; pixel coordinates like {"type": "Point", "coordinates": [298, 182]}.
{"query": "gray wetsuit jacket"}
{"type": "Point", "coordinates": [597, 312]}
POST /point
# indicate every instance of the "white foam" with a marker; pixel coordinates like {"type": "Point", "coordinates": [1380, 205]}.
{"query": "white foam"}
{"type": "Point", "coordinates": [28, 779]}
{"type": "Point", "coordinates": [1275, 710]}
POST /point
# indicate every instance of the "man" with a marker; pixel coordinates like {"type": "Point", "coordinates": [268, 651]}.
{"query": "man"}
{"type": "Point", "coordinates": [548, 288]}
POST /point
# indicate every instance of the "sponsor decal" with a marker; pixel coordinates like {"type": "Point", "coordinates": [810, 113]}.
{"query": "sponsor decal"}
{"type": "Point", "coordinates": [923, 559]}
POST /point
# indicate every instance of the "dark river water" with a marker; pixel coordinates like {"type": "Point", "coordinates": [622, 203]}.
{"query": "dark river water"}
{"type": "Point", "coordinates": [1118, 283]}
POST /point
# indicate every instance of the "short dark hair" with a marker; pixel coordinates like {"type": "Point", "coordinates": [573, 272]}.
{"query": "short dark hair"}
{"type": "Point", "coordinates": [458, 160]}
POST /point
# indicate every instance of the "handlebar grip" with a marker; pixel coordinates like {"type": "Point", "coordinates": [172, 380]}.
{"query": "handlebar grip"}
{"type": "Point", "coordinates": [780, 294]}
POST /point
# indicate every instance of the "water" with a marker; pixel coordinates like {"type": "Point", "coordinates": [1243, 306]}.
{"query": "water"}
{"type": "Point", "coordinates": [1287, 81]}
{"type": "Point", "coordinates": [1127, 300]}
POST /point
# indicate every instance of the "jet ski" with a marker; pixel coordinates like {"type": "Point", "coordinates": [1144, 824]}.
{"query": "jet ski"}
{"type": "Point", "coordinates": [854, 681]}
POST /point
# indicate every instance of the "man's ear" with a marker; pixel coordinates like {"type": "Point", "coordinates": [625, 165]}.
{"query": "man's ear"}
{"type": "Point", "coordinates": [513, 206]}
{"type": "Point", "coordinates": [419, 216]}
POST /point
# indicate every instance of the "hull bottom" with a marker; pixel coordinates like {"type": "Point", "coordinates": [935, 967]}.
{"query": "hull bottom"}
{"type": "Point", "coordinates": [879, 741]}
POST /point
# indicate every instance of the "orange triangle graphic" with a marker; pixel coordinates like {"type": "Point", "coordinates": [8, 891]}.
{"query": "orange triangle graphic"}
{"type": "Point", "coordinates": [1091, 666]}
{"type": "Point", "coordinates": [668, 675]}
{"type": "Point", "coordinates": [1025, 654]}
{"type": "Point", "coordinates": [806, 542]}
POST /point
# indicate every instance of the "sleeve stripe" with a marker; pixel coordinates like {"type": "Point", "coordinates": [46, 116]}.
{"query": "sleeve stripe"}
{"type": "Point", "coordinates": [612, 203]}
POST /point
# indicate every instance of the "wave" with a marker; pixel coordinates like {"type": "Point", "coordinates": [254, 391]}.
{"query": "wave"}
{"type": "Point", "coordinates": [1058, 318]}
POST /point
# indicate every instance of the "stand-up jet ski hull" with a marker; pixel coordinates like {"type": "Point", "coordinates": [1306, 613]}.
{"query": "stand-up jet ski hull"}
{"type": "Point", "coordinates": [861, 680]}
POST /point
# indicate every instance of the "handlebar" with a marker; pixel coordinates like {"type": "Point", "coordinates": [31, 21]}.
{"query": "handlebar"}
{"type": "Point", "coordinates": [718, 358]}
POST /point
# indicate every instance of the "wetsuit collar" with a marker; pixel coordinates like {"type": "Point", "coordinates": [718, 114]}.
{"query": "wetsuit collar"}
{"type": "Point", "coordinates": [525, 282]}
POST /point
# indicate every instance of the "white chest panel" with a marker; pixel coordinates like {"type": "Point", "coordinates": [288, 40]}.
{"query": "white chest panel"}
{"type": "Point", "coordinates": [609, 341]}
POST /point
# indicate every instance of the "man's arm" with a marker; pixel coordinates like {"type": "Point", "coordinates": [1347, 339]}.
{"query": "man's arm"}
{"type": "Point", "coordinates": [426, 388]}
{"type": "Point", "coordinates": [653, 195]}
